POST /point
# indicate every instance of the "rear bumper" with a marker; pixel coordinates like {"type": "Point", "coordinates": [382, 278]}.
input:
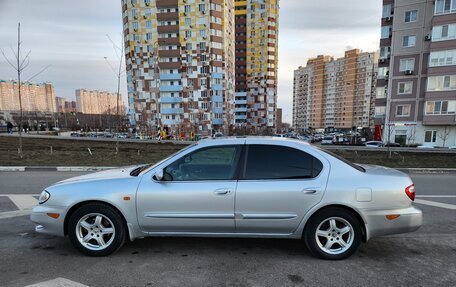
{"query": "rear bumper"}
{"type": "Point", "coordinates": [409, 220]}
{"type": "Point", "coordinates": [46, 224]}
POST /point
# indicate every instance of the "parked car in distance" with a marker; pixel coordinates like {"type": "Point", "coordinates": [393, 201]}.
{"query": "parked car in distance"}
{"type": "Point", "coordinates": [392, 145]}
{"type": "Point", "coordinates": [425, 147]}
{"type": "Point", "coordinates": [327, 140]}
{"type": "Point", "coordinates": [374, 144]}
{"type": "Point", "coordinates": [234, 187]}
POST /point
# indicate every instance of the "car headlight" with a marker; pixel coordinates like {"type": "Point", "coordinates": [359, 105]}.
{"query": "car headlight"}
{"type": "Point", "coordinates": [44, 196]}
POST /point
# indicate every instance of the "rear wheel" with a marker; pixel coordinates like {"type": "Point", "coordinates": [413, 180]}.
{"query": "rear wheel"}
{"type": "Point", "coordinates": [333, 233]}
{"type": "Point", "coordinates": [96, 229]}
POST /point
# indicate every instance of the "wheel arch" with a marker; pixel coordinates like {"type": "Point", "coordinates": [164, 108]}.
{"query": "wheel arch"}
{"type": "Point", "coordinates": [347, 208]}
{"type": "Point", "coordinates": [82, 203]}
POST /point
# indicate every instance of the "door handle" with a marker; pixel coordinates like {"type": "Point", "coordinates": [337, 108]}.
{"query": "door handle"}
{"type": "Point", "coordinates": [310, 190]}
{"type": "Point", "coordinates": [222, 191]}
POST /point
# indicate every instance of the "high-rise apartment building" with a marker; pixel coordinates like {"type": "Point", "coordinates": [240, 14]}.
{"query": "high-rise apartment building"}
{"type": "Point", "coordinates": [335, 94]}
{"type": "Point", "coordinates": [60, 104]}
{"type": "Point", "coordinates": [98, 103]}
{"type": "Point", "coordinates": [34, 97]}
{"type": "Point", "coordinates": [416, 91]}
{"type": "Point", "coordinates": [257, 24]}
{"type": "Point", "coordinates": [180, 64]}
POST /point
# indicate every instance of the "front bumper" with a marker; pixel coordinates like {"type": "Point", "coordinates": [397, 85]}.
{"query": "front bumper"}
{"type": "Point", "coordinates": [45, 223]}
{"type": "Point", "coordinates": [377, 224]}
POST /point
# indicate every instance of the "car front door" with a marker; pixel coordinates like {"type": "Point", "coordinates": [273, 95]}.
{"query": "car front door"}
{"type": "Point", "coordinates": [276, 188]}
{"type": "Point", "coordinates": [196, 194]}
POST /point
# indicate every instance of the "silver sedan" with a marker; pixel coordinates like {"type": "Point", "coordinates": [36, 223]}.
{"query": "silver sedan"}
{"type": "Point", "coordinates": [234, 187]}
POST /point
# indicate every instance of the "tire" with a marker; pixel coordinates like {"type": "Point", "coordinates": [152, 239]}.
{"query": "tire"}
{"type": "Point", "coordinates": [97, 229]}
{"type": "Point", "coordinates": [339, 234]}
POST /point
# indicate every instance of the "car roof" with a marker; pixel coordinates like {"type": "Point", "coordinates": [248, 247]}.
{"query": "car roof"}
{"type": "Point", "coordinates": [248, 140]}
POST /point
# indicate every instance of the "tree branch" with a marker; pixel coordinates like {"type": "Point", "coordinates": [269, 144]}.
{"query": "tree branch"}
{"type": "Point", "coordinates": [7, 60]}
{"type": "Point", "coordinates": [44, 69]}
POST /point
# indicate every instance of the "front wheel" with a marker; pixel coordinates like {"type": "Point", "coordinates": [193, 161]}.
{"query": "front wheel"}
{"type": "Point", "coordinates": [96, 229]}
{"type": "Point", "coordinates": [333, 233]}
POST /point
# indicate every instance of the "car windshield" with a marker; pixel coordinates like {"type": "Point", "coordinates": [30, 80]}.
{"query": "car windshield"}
{"type": "Point", "coordinates": [355, 166]}
{"type": "Point", "coordinates": [140, 169]}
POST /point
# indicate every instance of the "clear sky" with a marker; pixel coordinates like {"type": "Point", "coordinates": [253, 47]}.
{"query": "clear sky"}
{"type": "Point", "coordinates": [71, 37]}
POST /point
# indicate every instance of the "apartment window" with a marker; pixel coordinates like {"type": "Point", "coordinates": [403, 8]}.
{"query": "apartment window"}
{"type": "Point", "coordinates": [148, 24]}
{"type": "Point", "coordinates": [381, 93]}
{"type": "Point", "coordinates": [410, 16]}
{"type": "Point", "coordinates": [406, 65]}
{"type": "Point", "coordinates": [188, 34]}
{"type": "Point", "coordinates": [188, 46]}
{"type": "Point", "coordinates": [203, 33]}
{"type": "Point", "coordinates": [444, 32]}
{"type": "Point", "coordinates": [135, 25]}
{"type": "Point", "coordinates": [440, 108]}
{"type": "Point", "coordinates": [387, 9]}
{"type": "Point", "coordinates": [405, 88]}
{"type": "Point", "coordinates": [187, 8]}
{"type": "Point", "coordinates": [386, 32]}
{"type": "Point", "coordinates": [430, 136]}
{"type": "Point", "coordinates": [380, 111]}
{"type": "Point", "coordinates": [202, 46]}
{"type": "Point", "coordinates": [383, 72]}
{"type": "Point", "coordinates": [385, 52]}
{"type": "Point", "coordinates": [445, 6]}
{"type": "Point", "coordinates": [202, 7]}
{"type": "Point", "coordinates": [188, 21]}
{"type": "Point", "coordinates": [402, 110]}
{"type": "Point", "coordinates": [149, 36]}
{"type": "Point", "coordinates": [409, 41]}
{"type": "Point", "coordinates": [442, 58]}
{"type": "Point", "coordinates": [441, 83]}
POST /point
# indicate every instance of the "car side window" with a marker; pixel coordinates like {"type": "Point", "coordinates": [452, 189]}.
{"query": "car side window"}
{"type": "Point", "coordinates": [212, 163]}
{"type": "Point", "coordinates": [279, 162]}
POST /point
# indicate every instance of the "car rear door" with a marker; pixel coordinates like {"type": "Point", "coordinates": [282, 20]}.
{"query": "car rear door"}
{"type": "Point", "coordinates": [197, 195]}
{"type": "Point", "coordinates": [277, 186]}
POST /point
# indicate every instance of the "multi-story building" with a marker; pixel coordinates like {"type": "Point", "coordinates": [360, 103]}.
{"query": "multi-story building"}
{"type": "Point", "coordinates": [180, 64]}
{"type": "Point", "coordinates": [419, 101]}
{"type": "Point", "coordinates": [60, 104]}
{"type": "Point", "coordinates": [34, 97]}
{"type": "Point", "coordinates": [256, 63]}
{"type": "Point", "coordinates": [98, 102]}
{"type": "Point", "coordinates": [335, 94]}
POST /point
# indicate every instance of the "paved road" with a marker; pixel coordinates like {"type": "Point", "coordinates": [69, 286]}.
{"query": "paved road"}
{"type": "Point", "coordinates": [423, 258]}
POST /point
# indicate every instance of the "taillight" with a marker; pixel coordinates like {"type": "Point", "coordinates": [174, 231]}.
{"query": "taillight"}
{"type": "Point", "coordinates": [410, 191]}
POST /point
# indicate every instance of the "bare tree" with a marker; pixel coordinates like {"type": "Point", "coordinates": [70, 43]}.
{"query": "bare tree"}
{"type": "Point", "coordinates": [390, 130]}
{"type": "Point", "coordinates": [19, 64]}
{"type": "Point", "coordinates": [120, 54]}
{"type": "Point", "coordinates": [443, 135]}
{"type": "Point", "coordinates": [411, 136]}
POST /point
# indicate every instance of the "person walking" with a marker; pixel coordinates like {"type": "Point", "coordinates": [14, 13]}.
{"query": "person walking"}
{"type": "Point", "coordinates": [9, 128]}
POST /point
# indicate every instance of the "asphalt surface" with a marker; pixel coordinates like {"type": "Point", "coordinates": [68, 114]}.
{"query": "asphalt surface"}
{"type": "Point", "coordinates": [423, 258]}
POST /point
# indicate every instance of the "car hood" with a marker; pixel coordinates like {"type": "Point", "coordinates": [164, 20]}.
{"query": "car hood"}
{"type": "Point", "coordinates": [115, 173]}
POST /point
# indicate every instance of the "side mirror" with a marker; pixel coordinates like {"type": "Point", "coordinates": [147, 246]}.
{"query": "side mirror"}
{"type": "Point", "coordinates": [158, 176]}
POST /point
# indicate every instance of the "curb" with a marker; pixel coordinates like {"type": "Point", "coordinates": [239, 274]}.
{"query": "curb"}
{"type": "Point", "coordinates": [428, 170]}
{"type": "Point", "coordinates": [100, 168]}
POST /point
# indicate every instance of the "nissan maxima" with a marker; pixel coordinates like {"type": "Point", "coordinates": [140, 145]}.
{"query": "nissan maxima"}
{"type": "Point", "coordinates": [233, 187]}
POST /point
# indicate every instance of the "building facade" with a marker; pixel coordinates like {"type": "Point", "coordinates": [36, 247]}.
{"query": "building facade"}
{"type": "Point", "coordinates": [418, 103]}
{"type": "Point", "coordinates": [180, 64]}
{"type": "Point", "coordinates": [34, 97]}
{"type": "Point", "coordinates": [335, 93]}
{"type": "Point", "coordinates": [98, 102]}
{"type": "Point", "coordinates": [257, 23]}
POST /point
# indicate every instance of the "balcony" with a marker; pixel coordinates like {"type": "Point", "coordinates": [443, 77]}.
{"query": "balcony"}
{"type": "Point", "coordinates": [217, 121]}
{"type": "Point", "coordinates": [176, 76]}
{"type": "Point", "coordinates": [217, 75]}
{"type": "Point", "coordinates": [171, 111]}
{"type": "Point", "coordinates": [241, 117]}
{"type": "Point", "coordinates": [240, 110]}
{"type": "Point", "coordinates": [170, 100]}
{"type": "Point", "coordinates": [174, 88]}
{"type": "Point", "coordinates": [217, 87]}
{"type": "Point", "coordinates": [241, 102]}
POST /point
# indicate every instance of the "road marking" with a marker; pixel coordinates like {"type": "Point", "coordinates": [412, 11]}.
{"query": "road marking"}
{"type": "Point", "coordinates": [58, 282]}
{"type": "Point", "coordinates": [436, 204]}
{"type": "Point", "coordinates": [437, 196]}
{"type": "Point", "coordinates": [23, 201]}
{"type": "Point", "coordinates": [10, 214]}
